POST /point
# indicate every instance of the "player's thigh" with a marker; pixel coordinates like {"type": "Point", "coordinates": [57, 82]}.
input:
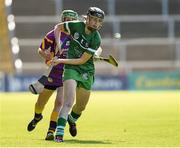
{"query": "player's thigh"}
{"type": "Point", "coordinates": [59, 95]}
{"type": "Point", "coordinates": [44, 95]}
{"type": "Point", "coordinates": [82, 96]}
{"type": "Point", "coordinates": [69, 90]}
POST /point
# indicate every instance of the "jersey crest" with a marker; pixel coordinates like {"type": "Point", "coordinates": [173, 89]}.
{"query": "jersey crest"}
{"type": "Point", "coordinates": [76, 35]}
{"type": "Point", "coordinates": [81, 40]}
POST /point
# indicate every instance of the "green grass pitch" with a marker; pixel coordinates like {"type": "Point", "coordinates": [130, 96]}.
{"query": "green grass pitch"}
{"type": "Point", "coordinates": [111, 119]}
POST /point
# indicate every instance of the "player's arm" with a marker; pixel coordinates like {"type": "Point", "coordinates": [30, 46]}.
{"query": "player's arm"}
{"type": "Point", "coordinates": [45, 54]}
{"type": "Point", "coordinates": [79, 61]}
{"type": "Point", "coordinates": [45, 48]}
{"type": "Point", "coordinates": [96, 45]}
{"type": "Point", "coordinates": [57, 33]}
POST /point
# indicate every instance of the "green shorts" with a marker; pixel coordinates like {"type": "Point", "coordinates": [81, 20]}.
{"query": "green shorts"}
{"type": "Point", "coordinates": [84, 80]}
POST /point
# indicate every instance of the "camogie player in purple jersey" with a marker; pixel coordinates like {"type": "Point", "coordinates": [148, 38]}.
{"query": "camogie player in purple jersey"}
{"type": "Point", "coordinates": [46, 85]}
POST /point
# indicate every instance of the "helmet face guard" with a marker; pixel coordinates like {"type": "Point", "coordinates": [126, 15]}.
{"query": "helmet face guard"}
{"type": "Point", "coordinates": [69, 15]}
{"type": "Point", "coordinates": [94, 23]}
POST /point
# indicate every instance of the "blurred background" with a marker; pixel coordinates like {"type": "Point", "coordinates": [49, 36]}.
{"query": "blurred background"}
{"type": "Point", "coordinates": [143, 35]}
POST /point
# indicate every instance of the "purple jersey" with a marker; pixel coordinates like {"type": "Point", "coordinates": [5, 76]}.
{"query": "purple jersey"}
{"type": "Point", "coordinates": [49, 43]}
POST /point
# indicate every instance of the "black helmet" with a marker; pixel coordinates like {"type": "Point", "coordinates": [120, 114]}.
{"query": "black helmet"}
{"type": "Point", "coordinates": [95, 11]}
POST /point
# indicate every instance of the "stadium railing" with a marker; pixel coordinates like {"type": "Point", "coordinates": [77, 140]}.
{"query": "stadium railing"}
{"type": "Point", "coordinates": [122, 48]}
{"type": "Point", "coordinates": [149, 35]}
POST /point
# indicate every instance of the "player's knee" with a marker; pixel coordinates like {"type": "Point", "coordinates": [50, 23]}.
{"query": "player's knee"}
{"type": "Point", "coordinates": [59, 103]}
{"type": "Point", "coordinates": [68, 105]}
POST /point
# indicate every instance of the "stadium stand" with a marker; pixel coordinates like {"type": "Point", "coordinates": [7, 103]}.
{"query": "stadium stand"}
{"type": "Point", "coordinates": [174, 6]}
{"type": "Point", "coordinates": [138, 7]}
{"type": "Point", "coordinates": [69, 4]}
{"type": "Point", "coordinates": [32, 30]}
{"type": "Point", "coordinates": [150, 31]}
{"type": "Point", "coordinates": [177, 28]}
{"type": "Point", "coordinates": [33, 8]}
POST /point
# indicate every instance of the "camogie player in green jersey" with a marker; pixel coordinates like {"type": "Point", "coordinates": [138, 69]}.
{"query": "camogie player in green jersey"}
{"type": "Point", "coordinates": [79, 67]}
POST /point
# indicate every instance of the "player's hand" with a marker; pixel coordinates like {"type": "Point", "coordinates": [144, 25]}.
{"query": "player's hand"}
{"type": "Point", "coordinates": [55, 61]}
{"type": "Point", "coordinates": [96, 57]}
{"type": "Point", "coordinates": [50, 62]}
{"type": "Point", "coordinates": [48, 55]}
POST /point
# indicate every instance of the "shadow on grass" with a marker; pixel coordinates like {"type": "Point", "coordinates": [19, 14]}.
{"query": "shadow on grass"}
{"type": "Point", "coordinates": [71, 141]}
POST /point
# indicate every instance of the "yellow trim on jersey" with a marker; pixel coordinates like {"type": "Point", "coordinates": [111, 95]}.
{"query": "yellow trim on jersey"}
{"type": "Point", "coordinates": [43, 44]}
{"type": "Point", "coordinates": [49, 40]}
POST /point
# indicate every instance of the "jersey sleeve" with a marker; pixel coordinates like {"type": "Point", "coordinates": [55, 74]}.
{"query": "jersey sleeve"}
{"type": "Point", "coordinates": [94, 45]}
{"type": "Point", "coordinates": [71, 26]}
{"type": "Point", "coordinates": [47, 41]}
{"type": "Point", "coordinates": [68, 26]}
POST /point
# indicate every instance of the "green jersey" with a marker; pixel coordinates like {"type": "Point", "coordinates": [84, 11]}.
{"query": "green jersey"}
{"type": "Point", "coordinates": [80, 43]}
